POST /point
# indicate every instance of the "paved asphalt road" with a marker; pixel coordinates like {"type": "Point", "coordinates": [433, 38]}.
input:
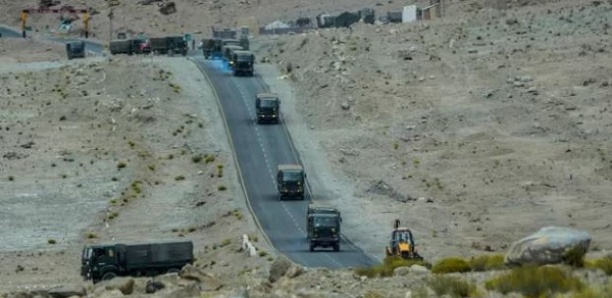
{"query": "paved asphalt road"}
{"type": "Point", "coordinates": [89, 45]}
{"type": "Point", "coordinates": [259, 149]}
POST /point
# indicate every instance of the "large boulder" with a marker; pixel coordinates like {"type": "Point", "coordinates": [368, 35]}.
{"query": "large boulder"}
{"type": "Point", "coordinates": [549, 245]}
{"type": "Point", "coordinates": [279, 268]}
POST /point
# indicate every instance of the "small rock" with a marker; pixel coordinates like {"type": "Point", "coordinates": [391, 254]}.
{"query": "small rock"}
{"type": "Point", "coordinates": [488, 94]}
{"type": "Point", "coordinates": [345, 106]}
{"type": "Point", "coordinates": [418, 270]}
{"type": "Point", "coordinates": [123, 284]}
{"type": "Point", "coordinates": [279, 268]}
{"type": "Point", "coordinates": [114, 293]}
{"type": "Point", "coordinates": [526, 79]}
{"type": "Point", "coordinates": [153, 286]}
{"type": "Point", "coordinates": [295, 271]}
{"type": "Point", "coordinates": [401, 271]}
{"type": "Point", "coordinates": [67, 291]}
{"type": "Point", "coordinates": [532, 90]}
{"type": "Point", "coordinates": [207, 281]}
{"type": "Point", "coordinates": [518, 84]}
{"type": "Point", "coordinates": [363, 278]}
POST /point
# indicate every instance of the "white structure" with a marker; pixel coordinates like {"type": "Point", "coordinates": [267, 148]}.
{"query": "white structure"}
{"type": "Point", "coordinates": [409, 14]}
{"type": "Point", "coordinates": [276, 25]}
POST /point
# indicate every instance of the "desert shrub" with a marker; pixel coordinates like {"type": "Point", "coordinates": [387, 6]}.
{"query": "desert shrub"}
{"type": "Point", "coordinates": [91, 235]}
{"type": "Point", "coordinates": [604, 264]}
{"type": "Point", "coordinates": [487, 263]}
{"type": "Point", "coordinates": [51, 241]}
{"type": "Point", "coordinates": [533, 281]}
{"type": "Point", "coordinates": [451, 265]}
{"type": "Point", "coordinates": [179, 178]}
{"type": "Point", "coordinates": [372, 294]}
{"type": "Point", "coordinates": [574, 257]}
{"type": "Point", "coordinates": [197, 158]}
{"type": "Point", "coordinates": [387, 267]}
{"type": "Point", "coordinates": [451, 285]}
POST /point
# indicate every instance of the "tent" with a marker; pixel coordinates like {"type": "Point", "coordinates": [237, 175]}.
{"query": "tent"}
{"type": "Point", "coordinates": [276, 25]}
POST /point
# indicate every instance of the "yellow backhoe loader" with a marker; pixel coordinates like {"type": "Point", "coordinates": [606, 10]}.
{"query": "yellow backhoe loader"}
{"type": "Point", "coordinates": [402, 243]}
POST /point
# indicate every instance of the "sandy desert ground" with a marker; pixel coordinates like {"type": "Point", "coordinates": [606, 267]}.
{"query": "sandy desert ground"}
{"type": "Point", "coordinates": [95, 151]}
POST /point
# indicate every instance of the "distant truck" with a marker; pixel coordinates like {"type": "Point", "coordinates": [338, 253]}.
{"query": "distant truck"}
{"type": "Point", "coordinates": [243, 63]}
{"type": "Point", "coordinates": [169, 45]}
{"type": "Point", "coordinates": [122, 46]}
{"type": "Point", "coordinates": [107, 261]}
{"type": "Point", "coordinates": [75, 49]}
{"type": "Point", "coordinates": [323, 226]}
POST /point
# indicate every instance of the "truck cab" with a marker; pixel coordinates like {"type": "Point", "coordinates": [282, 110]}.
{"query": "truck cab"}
{"type": "Point", "coordinates": [75, 49]}
{"type": "Point", "coordinates": [107, 261]}
{"type": "Point", "coordinates": [290, 180]}
{"type": "Point", "coordinates": [323, 227]}
{"type": "Point", "coordinates": [267, 107]}
{"type": "Point", "coordinates": [243, 62]}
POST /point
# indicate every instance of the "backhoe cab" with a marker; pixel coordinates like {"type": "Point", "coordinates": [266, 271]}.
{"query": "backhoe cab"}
{"type": "Point", "coordinates": [402, 243]}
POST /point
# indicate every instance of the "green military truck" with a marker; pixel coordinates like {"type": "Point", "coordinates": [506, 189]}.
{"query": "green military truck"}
{"type": "Point", "coordinates": [107, 261]}
{"type": "Point", "coordinates": [122, 46]}
{"type": "Point", "coordinates": [243, 63]}
{"type": "Point", "coordinates": [290, 181]}
{"type": "Point", "coordinates": [323, 227]}
{"type": "Point", "coordinates": [267, 109]}
{"type": "Point", "coordinates": [169, 45]}
{"type": "Point", "coordinates": [75, 49]}
{"type": "Point", "coordinates": [227, 52]}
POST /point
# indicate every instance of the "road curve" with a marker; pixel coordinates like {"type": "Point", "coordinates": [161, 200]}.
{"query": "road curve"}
{"type": "Point", "coordinates": [259, 149]}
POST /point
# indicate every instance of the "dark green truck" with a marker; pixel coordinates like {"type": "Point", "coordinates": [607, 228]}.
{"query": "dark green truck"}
{"type": "Point", "coordinates": [107, 261]}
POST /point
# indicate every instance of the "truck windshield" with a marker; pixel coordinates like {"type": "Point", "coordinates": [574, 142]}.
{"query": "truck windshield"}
{"type": "Point", "coordinates": [292, 176]}
{"type": "Point", "coordinates": [267, 103]}
{"type": "Point", "coordinates": [244, 58]}
{"type": "Point", "coordinates": [325, 222]}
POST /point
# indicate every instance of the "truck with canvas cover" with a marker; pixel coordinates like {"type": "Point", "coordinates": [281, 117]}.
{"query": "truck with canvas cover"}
{"type": "Point", "coordinates": [224, 33]}
{"type": "Point", "coordinates": [323, 227]}
{"type": "Point", "coordinates": [75, 49]}
{"type": "Point", "coordinates": [122, 46]}
{"type": "Point", "coordinates": [107, 261]}
{"type": "Point", "coordinates": [243, 63]}
{"type": "Point", "coordinates": [266, 107]}
{"type": "Point", "coordinates": [227, 52]}
{"type": "Point", "coordinates": [169, 45]}
{"type": "Point", "coordinates": [211, 48]}
{"type": "Point", "coordinates": [290, 180]}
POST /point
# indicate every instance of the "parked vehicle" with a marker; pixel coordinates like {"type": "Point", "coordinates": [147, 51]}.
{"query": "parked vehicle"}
{"type": "Point", "coordinates": [75, 49]}
{"type": "Point", "coordinates": [107, 261]}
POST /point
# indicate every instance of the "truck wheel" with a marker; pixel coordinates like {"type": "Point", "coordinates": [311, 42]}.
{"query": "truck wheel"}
{"type": "Point", "coordinates": [170, 53]}
{"type": "Point", "coordinates": [337, 247]}
{"type": "Point", "coordinates": [109, 275]}
{"type": "Point", "coordinates": [173, 270]}
{"type": "Point", "coordinates": [312, 247]}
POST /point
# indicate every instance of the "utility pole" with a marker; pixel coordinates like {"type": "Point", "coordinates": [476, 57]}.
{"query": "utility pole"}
{"type": "Point", "coordinates": [111, 16]}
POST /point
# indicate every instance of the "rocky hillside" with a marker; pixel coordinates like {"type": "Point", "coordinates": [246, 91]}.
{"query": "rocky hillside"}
{"type": "Point", "coordinates": [473, 129]}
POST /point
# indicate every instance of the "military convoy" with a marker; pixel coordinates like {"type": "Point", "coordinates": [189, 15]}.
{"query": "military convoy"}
{"type": "Point", "coordinates": [107, 261]}
{"type": "Point", "coordinates": [169, 45]}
